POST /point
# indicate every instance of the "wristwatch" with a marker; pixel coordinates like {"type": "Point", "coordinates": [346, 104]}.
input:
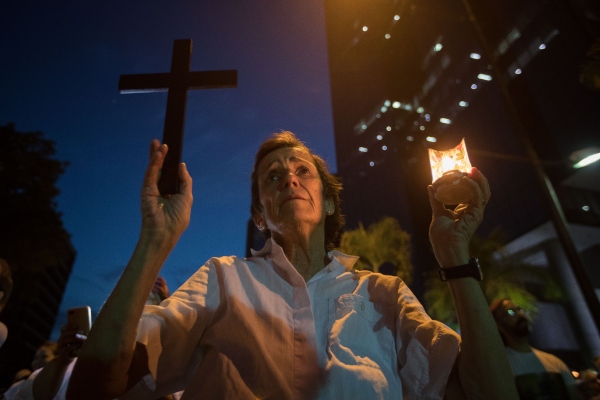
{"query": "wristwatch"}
{"type": "Point", "coordinates": [470, 270]}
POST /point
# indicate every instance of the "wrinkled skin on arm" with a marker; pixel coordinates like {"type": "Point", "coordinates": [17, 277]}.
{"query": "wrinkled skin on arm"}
{"type": "Point", "coordinates": [482, 370]}
{"type": "Point", "coordinates": [110, 362]}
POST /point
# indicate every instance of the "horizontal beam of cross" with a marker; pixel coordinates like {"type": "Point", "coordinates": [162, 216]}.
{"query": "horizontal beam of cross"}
{"type": "Point", "coordinates": [161, 82]}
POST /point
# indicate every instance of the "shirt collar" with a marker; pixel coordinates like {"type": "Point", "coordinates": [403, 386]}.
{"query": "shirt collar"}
{"type": "Point", "coordinates": [345, 260]}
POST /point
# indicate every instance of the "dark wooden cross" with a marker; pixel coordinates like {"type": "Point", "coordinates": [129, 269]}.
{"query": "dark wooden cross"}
{"type": "Point", "coordinates": [177, 82]}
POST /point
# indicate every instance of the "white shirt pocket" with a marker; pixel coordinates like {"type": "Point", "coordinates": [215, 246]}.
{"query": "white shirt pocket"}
{"type": "Point", "coordinates": [361, 332]}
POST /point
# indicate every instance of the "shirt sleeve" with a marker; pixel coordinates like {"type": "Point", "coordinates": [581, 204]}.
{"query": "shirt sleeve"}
{"type": "Point", "coordinates": [171, 331]}
{"type": "Point", "coordinates": [427, 349]}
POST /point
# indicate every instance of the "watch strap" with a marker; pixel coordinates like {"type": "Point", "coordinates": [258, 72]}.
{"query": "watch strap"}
{"type": "Point", "coordinates": [469, 270]}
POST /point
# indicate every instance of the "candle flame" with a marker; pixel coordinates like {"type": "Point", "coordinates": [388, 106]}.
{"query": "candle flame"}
{"type": "Point", "coordinates": [455, 159]}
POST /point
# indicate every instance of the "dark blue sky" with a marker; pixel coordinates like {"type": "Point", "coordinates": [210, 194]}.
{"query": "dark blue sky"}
{"type": "Point", "coordinates": [59, 68]}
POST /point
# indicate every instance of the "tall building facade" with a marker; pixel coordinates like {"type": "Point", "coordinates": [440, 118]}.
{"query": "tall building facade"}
{"type": "Point", "coordinates": [407, 75]}
{"type": "Point", "coordinates": [30, 314]}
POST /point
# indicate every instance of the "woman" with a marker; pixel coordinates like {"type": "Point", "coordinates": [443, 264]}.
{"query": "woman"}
{"type": "Point", "coordinates": [294, 320]}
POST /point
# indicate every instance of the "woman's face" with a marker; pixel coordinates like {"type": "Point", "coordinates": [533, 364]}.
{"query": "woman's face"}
{"type": "Point", "coordinates": [291, 191]}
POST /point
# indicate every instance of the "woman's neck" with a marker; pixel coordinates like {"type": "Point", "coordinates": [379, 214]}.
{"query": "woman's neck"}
{"type": "Point", "coordinates": [306, 252]}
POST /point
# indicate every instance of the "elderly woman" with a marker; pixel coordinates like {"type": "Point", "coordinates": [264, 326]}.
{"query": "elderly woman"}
{"type": "Point", "coordinates": [294, 321]}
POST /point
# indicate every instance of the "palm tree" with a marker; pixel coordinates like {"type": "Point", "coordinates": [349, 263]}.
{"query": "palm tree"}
{"type": "Point", "coordinates": [503, 277]}
{"type": "Point", "coordinates": [384, 242]}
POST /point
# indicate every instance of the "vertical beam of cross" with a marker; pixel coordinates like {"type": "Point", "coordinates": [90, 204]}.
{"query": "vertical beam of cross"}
{"type": "Point", "coordinates": [177, 82]}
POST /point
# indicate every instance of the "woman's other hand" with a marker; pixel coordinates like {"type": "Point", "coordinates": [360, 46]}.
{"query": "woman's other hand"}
{"type": "Point", "coordinates": [451, 230]}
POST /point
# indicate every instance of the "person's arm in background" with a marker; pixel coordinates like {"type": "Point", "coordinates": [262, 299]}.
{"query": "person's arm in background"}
{"type": "Point", "coordinates": [110, 362]}
{"type": "Point", "coordinates": [50, 379]}
{"type": "Point", "coordinates": [160, 288]}
{"type": "Point", "coordinates": [482, 370]}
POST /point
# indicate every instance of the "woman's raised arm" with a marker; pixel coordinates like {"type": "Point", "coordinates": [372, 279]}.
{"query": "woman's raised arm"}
{"type": "Point", "coordinates": [104, 369]}
{"type": "Point", "coordinates": [482, 369]}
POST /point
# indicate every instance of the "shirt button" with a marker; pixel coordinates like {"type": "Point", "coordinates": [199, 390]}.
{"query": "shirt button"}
{"type": "Point", "coordinates": [362, 306]}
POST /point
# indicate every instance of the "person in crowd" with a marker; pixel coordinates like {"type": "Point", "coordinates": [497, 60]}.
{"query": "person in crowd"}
{"type": "Point", "coordinates": [6, 284]}
{"type": "Point", "coordinates": [534, 370]}
{"type": "Point", "coordinates": [44, 355]}
{"type": "Point", "coordinates": [52, 373]}
{"type": "Point", "coordinates": [159, 292]}
{"type": "Point", "coordinates": [589, 385]}
{"type": "Point", "coordinates": [294, 320]}
{"type": "Point", "coordinates": [596, 362]}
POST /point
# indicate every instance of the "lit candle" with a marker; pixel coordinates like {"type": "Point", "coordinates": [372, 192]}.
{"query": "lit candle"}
{"type": "Point", "coordinates": [448, 167]}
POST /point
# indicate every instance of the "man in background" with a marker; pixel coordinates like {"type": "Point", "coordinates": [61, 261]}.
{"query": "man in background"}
{"type": "Point", "coordinates": [537, 374]}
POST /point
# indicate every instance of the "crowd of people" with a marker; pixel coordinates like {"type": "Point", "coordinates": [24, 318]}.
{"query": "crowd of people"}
{"type": "Point", "coordinates": [295, 320]}
{"type": "Point", "coordinates": [53, 362]}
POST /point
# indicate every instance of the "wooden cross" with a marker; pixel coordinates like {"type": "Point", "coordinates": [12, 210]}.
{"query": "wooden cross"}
{"type": "Point", "coordinates": [176, 83]}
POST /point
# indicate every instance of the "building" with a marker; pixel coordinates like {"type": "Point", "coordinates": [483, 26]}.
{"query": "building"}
{"type": "Point", "coordinates": [407, 75]}
{"type": "Point", "coordinates": [30, 315]}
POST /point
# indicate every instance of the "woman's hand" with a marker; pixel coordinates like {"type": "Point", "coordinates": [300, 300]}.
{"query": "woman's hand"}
{"type": "Point", "coordinates": [168, 216]}
{"type": "Point", "coordinates": [451, 230]}
{"type": "Point", "coordinates": [69, 343]}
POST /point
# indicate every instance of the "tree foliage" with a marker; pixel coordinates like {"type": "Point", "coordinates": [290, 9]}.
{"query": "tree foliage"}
{"type": "Point", "coordinates": [32, 235]}
{"type": "Point", "coordinates": [383, 242]}
{"type": "Point", "coordinates": [503, 277]}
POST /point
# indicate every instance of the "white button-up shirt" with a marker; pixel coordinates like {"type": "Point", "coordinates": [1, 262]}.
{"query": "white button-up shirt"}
{"type": "Point", "coordinates": [253, 328]}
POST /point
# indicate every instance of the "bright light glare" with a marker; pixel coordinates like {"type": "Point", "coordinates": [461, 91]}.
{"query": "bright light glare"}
{"type": "Point", "coordinates": [383, 147]}
{"type": "Point", "coordinates": [364, 127]}
{"type": "Point", "coordinates": [587, 161]}
{"type": "Point", "coordinates": [484, 77]}
{"type": "Point", "coordinates": [387, 36]}
{"type": "Point", "coordinates": [387, 103]}
{"type": "Point", "coordinates": [585, 208]}
{"type": "Point", "coordinates": [363, 149]}
{"type": "Point", "coordinates": [431, 139]}
{"type": "Point", "coordinates": [384, 109]}
{"type": "Point", "coordinates": [365, 28]}
{"type": "Point", "coordinates": [389, 128]}
{"type": "Point", "coordinates": [438, 47]}
{"type": "Point", "coordinates": [371, 163]}
{"type": "Point", "coordinates": [518, 71]}
{"type": "Point", "coordinates": [475, 56]}
{"type": "Point", "coordinates": [442, 161]}
{"type": "Point", "coordinates": [396, 104]}
{"type": "Point", "coordinates": [422, 128]}
{"type": "Point", "coordinates": [474, 86]}
{"type": "Point", "coordinates": [396, 17]}
{"type": "Point", "coordinates": [445, 121]}
{"type": "Point", "coordinates": [420, 110]}
{"type": "Point", "coordinates": [463, 104]}
{"type": "Point", "coordinates": [379, 137]}
{"type": "Point", "coordinates": [542, 46]}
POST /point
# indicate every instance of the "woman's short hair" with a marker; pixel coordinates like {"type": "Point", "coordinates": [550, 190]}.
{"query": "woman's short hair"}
{"type": "Point", "coordinates": [331, 184]}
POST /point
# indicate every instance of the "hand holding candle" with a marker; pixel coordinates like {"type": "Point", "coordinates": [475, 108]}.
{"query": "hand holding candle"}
{"type": "Point", "coordinates": [448, 167]}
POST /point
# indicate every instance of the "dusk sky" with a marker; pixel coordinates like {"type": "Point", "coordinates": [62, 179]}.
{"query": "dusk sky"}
{"type": "Point", "coordinates": [59, 70]}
